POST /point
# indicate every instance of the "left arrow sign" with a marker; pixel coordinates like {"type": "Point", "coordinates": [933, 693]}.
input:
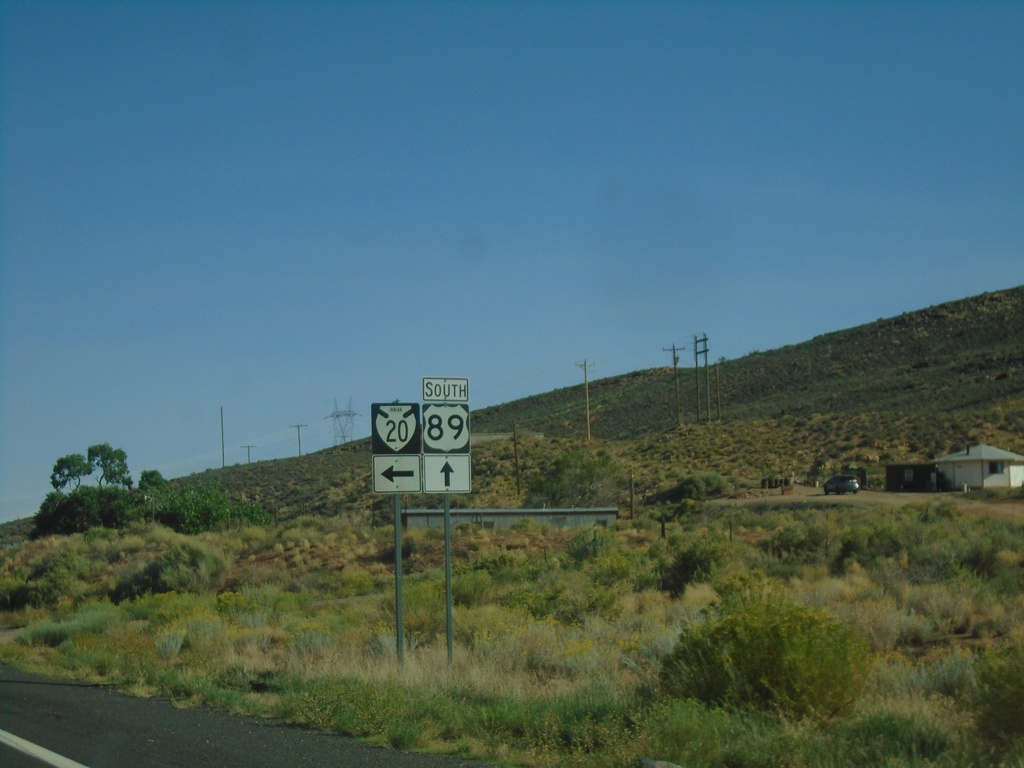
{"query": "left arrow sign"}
{"type": "Point", "coordinates": [391, 473]}
{"type": "Point", "coordinates": [396, 474]}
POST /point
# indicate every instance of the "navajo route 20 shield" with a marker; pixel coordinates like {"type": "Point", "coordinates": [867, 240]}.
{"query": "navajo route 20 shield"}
{"type": "Point", "coordinates": [396, 428]}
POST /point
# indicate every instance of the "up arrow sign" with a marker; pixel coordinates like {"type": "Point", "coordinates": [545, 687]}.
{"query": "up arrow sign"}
{"type": "Point", "coordinates": [447, 471]}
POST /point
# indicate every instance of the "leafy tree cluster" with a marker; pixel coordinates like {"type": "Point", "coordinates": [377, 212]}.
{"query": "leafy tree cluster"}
{"type": "Point", "coordinates": [574, 477]}
{"type": "Point", "coordinates": [112, 463]}
{"type": "Point", "coordinates": [112, 502]}
{"type": "Point", "coordinates": [198, 509]}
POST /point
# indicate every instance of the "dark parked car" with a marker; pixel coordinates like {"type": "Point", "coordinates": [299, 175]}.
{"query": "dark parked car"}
{"type": "Point", "coordinates": [841, 484]}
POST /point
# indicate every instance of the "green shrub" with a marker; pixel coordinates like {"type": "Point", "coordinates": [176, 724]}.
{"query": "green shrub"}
{"type": "Point", "coordinates": [688, 733]}
{"type": "Point", "coordinates": [568, 597]}
{"type": "Point", "coordinates": [188, 566]}
{"type": "Point", "coordinates": [165, 609]}
{"type": "Point", "coordinates": [423, 611]}
{"type": "Point", "coordinates": [471, 588]}
{"type": "Point", "coordinates": [169, 643]}
{"type": "Point", "coordinates": [882, 738]}
{"type": "Point", "coordinates": [587, 542]}
{"type": "Point", "coordinates": [694, 558]}
{"type": "Point", "coordinates": [772, 654]}
{"type": "Point", "coordinates": [94, 618]}
{"type": "Point", "coordinates": [798, 542]}
{"type": "Point", "coordinates": [999, 701]}
{"type": "Point", "coordinates": [866, 544]}
{"type": "Point", "coordinates": [355, 581]}
{"type": "Point", "coordinates": [60, 575]}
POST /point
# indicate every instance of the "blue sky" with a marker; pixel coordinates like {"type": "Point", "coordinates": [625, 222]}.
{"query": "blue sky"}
{"type": "Point", "coordinates": [264, 207]}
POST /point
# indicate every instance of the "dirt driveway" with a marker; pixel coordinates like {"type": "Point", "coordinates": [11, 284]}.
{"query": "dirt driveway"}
{"type": "Point", "coordinates": [1006, 508]}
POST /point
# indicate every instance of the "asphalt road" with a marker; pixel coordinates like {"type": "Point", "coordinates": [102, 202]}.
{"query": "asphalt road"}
{"type": "Point", "coordinates": [100, 728]}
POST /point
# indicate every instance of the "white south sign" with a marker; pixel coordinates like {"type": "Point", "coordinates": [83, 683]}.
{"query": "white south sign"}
{"type": "Point", "coordinates": [445, 389]}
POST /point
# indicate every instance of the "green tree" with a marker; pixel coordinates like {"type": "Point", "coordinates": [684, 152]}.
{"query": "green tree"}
{"type": "Point", "coordinates": [200, 508]}
{"type": "Point", "coordinates": [575, 477]}
{"type": "Point", "coordinates": [70, 469]}
{"type": "Point", "coordinates": [85, 508]}
{"type": "Point", "coordinates": [113, 464]}
{"type": "Point", "coordinates": [152, 483]}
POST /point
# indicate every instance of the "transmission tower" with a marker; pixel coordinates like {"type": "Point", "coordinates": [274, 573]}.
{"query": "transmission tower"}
{"type": "Point", "coordinates": [700, 347]}
{"type": "Point", "coordinates": [343, 422]}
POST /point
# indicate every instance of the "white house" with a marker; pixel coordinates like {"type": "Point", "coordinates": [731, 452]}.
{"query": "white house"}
{"type": "Point", "coordinates": [982, 466]}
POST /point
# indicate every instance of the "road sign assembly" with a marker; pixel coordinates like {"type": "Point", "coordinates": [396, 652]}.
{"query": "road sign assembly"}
{"type": "Point", "coordinates": [397, 441]}
{"type": "Point", "coordinates": [398, 438]}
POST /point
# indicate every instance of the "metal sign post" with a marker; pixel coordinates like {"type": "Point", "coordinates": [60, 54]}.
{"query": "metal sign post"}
{"type": "Point", "coordinates": [448, 572]}
{"type": "Point", "coordinates": [446, 462]}
{"type": "Point", "coordinates": [399, 623]}
{"type": "Point", "coordinates": [396, 441]}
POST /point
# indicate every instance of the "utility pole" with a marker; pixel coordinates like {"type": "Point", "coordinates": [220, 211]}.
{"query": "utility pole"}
{"type": "Point", "coordinates": [222, 437]}
{"type": "Point", "coordinates": [515, 448]}
{"type": "Point", "coordinates": [586, 390]}
{"type": "Point", "coordinates": [707, 377]}
{"type": "Point", "coordinates": [696, 368]}
{"type": "Point", "coordinates": [675, 374]}
{"type": "Point", "coordinates": [298, 428]}
{"type": "Point", "coordinates": [248, 453]}
{"type": "Point", "coordinates": [718, 388]}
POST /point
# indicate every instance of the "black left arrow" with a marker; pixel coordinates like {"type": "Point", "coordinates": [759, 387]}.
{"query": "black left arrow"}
{"type": "Point", "coordinates": [391, 473]}
{"type": "Point", "coordinates": [447, 471]}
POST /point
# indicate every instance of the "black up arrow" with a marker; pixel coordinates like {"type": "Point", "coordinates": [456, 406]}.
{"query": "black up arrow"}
{"type": "Point", "coordinates": [391, 473]}
{"type": "Point", "coordinates": [447, 471]}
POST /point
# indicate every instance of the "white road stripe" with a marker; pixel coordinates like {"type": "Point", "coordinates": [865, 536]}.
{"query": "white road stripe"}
{"type": "Point", "coordinates": [40, 753]}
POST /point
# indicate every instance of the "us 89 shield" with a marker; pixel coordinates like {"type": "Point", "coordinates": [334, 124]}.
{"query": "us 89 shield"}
{"type": "Point", "coordinates": [445, 428]}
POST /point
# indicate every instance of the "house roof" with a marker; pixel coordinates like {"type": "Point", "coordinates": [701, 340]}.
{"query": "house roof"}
{"type": "Point", "coordinates": [981, 453]}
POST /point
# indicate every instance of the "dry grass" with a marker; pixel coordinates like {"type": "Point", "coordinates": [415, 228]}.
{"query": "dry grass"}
{"type": "Point", "coordinates": [300, 626]}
